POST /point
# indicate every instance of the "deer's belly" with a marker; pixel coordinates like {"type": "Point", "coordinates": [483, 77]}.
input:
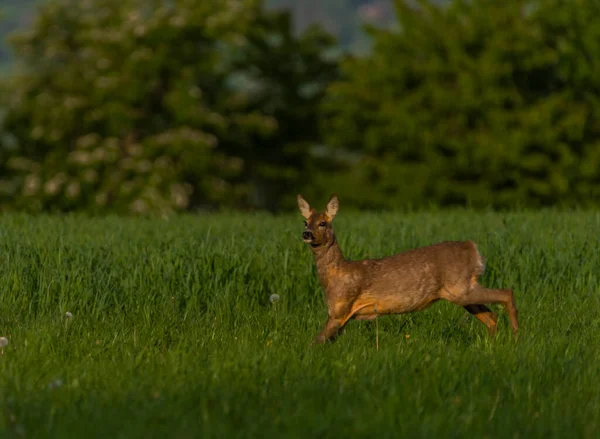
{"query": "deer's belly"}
{"type": "Point", "coordinates": [368, 307]}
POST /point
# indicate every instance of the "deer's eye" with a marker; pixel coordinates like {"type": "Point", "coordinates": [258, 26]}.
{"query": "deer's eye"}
{"type": "Point", "coordinates": [323, 224]}
{"type": "Point", "coordinates": [305, 223]}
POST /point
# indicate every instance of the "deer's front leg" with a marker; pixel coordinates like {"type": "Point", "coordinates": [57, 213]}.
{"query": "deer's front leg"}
{"type": "Point", "coordinates": [329, 331]}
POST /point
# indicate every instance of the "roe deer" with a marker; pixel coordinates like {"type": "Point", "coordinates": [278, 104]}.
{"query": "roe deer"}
{"type": "Point", "coordinates": [402, 283]}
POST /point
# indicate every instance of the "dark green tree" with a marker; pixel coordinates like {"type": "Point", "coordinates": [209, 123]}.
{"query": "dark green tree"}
{"type": "Point", "coordinates": [476, 102]}
{"type": "Point", "coordinates": [287, 78]}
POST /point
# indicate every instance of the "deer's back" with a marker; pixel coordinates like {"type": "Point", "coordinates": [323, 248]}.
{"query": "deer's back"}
{"type": "Point", "coordinates": [447, 261]}
{"type": "Point", "coordinates": [414, 278]}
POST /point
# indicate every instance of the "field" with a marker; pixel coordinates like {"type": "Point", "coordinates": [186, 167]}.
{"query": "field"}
{"type": "Point", "coordinates": [172, 333]}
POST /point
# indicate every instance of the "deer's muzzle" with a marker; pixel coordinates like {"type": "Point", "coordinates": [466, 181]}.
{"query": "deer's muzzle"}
{"type": "Point", "coordinates": [307, 236]}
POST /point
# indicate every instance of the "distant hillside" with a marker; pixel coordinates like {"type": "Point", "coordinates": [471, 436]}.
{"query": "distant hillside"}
{"type": "Point", "coordinates": [341, 17]}
{"type": "Point", "coordinates": [13, 15]}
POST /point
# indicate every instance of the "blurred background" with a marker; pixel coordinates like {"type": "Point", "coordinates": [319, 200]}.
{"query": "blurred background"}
{"type": "Point", "coordinates": [162, 106]}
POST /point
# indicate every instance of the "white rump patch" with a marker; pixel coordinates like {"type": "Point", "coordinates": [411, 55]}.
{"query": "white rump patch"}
{"type": "Point", "coordinates": [482, 261]}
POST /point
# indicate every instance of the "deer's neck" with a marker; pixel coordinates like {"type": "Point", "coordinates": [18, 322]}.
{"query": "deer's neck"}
{"type": "Point", "coordinates": [328, 259]}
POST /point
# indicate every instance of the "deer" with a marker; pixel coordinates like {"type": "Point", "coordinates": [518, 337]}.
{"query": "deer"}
{"type": "Point", "coordinates": [406, 282]}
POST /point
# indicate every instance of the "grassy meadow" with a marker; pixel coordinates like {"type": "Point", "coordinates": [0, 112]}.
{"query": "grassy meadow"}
{"type": "Point", "coordinates": [172, 333]}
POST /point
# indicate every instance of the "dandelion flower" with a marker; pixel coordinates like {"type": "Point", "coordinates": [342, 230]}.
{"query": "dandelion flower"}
{"type": "Point", "coordinates": [69, 315]}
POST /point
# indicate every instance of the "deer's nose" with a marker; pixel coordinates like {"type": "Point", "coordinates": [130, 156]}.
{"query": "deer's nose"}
{"type": "Point", "coordinates": [307, 235]}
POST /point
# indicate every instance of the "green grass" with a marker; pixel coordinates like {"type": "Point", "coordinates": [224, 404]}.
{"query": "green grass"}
{"type": "Point", "coordinates": [173, 335]}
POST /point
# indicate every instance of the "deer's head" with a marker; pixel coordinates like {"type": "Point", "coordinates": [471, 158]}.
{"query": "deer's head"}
{"type": "Point", "coordinates": [317, 226]}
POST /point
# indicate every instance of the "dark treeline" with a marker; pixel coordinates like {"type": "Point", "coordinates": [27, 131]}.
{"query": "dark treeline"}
{"type": "Point", "coordinates": [172, 105]}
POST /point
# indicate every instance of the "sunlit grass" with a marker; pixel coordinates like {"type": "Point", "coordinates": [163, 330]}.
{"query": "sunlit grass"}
{"type": "Point", "coordinates": [150, 328]}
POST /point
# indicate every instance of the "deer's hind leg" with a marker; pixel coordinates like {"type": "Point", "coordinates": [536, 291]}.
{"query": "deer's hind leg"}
{"type": "Point", "coordinates": [476, 295]}
{"type": "Point", "coordinates": [485, 316]}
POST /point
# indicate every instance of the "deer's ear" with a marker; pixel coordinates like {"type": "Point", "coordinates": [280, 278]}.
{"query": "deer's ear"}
{"type": "Point", "coordinates": [332, 207]}
{"type": "Point", "coordinates": [304, 207]}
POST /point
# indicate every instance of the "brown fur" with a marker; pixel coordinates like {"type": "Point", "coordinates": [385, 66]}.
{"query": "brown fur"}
{"type": "Point", "coordinates": [402, 283]}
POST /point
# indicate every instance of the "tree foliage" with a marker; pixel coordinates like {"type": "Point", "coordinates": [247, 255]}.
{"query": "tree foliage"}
{"type": "Point", "coordinates": [480, 102]}
{"type": "Point", "coordinates": [144, 106]}
{"type": "Point", "coordinates": [165, 105]}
